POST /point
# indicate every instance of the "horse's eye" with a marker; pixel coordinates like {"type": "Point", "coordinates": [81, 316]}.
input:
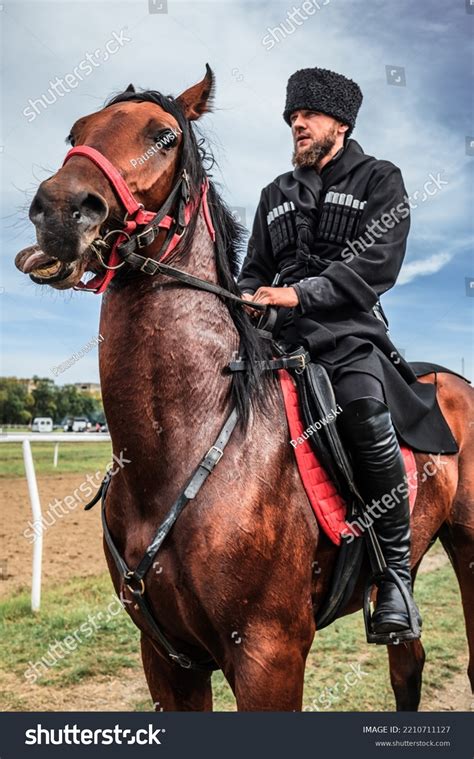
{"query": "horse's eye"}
{"type": "Point", "coordinates": [166, 139]}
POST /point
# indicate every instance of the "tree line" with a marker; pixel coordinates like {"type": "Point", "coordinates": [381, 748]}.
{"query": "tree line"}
{"type": "Point", "coordinates": [18, 406]}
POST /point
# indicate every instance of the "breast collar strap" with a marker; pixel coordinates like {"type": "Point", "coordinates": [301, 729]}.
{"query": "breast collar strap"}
{"type": "Point", "coordinates": [174, 216]}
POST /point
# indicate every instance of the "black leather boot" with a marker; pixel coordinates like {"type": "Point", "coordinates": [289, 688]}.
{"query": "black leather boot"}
{"type": "Point", "coordinates": [366, 427]}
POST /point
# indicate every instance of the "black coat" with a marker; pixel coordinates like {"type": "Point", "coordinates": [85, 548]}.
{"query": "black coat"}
{"type": "Point", "coordinates": [340, 260]}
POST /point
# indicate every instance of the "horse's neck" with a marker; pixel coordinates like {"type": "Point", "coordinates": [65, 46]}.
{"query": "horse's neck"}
{"type": "Point", "coordinates": [165, 346]}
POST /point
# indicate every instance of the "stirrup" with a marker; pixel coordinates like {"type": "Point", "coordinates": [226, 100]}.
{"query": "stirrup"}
{"type": "Point", "coordinates": [412, 632]}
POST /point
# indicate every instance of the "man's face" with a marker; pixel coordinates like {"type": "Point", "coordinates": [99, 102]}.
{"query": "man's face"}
{"type": "Point", "coordinates": [314, 136]}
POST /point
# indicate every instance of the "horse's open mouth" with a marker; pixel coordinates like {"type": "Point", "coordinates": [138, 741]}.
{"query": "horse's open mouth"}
{"type": "Point", "coordinates": [41, 267]}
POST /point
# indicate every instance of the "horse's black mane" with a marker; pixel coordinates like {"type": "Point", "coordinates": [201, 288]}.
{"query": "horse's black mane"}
{"type": "Point", "coordinates": [247, 387]}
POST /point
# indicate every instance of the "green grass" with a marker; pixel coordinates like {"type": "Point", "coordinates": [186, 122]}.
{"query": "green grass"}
{"type": "Point", "coordinates": [72, 458]}
{"type": "Point", "coordinates": [18, 429]}
{"type": "Point", "coordinates": [103, 637]}
{"type": "Point", "coordinates": [337, 651]}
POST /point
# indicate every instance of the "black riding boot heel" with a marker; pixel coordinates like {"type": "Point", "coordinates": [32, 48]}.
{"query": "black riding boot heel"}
{"type": "Point", "coordinates": [379, 470]}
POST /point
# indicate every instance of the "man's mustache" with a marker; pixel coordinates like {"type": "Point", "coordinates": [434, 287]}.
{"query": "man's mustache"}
{"type": "Point", "coordinates": [298, 137]}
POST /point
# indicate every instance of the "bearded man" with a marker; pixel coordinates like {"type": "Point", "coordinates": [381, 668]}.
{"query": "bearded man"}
{"type": "Point", "coordinates": [332, 236]}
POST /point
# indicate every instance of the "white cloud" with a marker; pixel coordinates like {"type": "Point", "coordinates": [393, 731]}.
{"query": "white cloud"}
{"type": "Point", "coordinates": [433, 263]}
{"type": "Point", "coordinates": [423, 267]}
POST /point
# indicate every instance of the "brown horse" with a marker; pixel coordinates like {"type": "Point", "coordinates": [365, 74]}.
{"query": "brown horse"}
{"type": "Point", "coordinates": [233, 580]}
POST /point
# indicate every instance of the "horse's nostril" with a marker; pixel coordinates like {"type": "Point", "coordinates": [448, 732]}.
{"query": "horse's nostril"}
{"type": "Point", "coordinates": [36, 209]}
{"type": "Point", "coordinates": [86, 209]}
{"type": "Point", "coordinates": [89, 208]}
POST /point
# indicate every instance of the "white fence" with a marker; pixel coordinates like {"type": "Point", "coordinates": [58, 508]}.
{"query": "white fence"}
{"type": "Point", "coordinates": [46, 437]}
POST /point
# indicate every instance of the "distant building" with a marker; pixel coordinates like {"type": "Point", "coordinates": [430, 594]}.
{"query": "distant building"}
{"type": "Point", "coordinates": [31, 384]}
{"type": "Point", "coordinates": [91, 388]}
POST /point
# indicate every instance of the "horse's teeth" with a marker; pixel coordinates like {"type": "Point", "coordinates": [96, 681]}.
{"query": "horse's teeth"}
{"type": "Point", "coordinates": [47, 271]}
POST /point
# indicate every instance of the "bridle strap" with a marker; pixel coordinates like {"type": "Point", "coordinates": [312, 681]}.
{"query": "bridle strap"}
{"type": "Point", "coordinates": [162, 220]}
{"type": "Point", "coordinates": [126, 243]}
{"type": "Point", "coordinates": [115, 178]}
{"type": "Point", "coordinates": [151, 267]}
{"type": "Point", "coordinates": [135, 212]}
{"type": "Point", "coordinates": [136, 216]}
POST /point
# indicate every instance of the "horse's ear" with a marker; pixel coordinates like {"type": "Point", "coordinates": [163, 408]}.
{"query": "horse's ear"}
{"type": "Point", "coordinates": [198, 99]}
{"type": "Point", "coordinates": [130, 88]}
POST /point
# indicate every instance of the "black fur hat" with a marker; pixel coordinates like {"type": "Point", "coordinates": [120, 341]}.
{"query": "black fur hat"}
{"type": "Point", "coordinates": [325, 91]}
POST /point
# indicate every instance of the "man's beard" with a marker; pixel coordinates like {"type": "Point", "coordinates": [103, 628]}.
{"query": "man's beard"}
{"type": "Point", "coordinates": [312, 155]}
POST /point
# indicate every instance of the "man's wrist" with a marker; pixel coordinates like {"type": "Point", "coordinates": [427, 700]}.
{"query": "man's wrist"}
{"type": "Point", "coordinates": [299, 294]}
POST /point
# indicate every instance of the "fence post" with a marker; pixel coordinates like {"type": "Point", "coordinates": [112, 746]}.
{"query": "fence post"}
{"type": "Point", "coordinates": [36, 511]}
{"type": "Point", "coordinates": [55, 456]}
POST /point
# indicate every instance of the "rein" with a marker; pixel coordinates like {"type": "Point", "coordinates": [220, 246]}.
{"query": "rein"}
{"type": "Point", "coordinates": [173, 216]}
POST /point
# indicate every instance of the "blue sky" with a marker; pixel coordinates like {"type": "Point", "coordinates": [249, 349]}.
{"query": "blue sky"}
{"type": "Point", "coordinates": [421, 126]}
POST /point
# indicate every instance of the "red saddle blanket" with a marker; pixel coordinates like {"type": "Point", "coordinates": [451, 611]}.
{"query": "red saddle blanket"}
{"type": "Point", "coordinates": [328, 506]}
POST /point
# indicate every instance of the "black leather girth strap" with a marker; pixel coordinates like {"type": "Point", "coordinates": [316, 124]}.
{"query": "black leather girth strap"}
{"type": "Point", "coordinates": [297, 362]}
{"type": "Point", "coordinates": [134, 579]}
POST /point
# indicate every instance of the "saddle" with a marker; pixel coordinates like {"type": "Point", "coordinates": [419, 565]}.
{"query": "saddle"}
{"type": "Point", "coordinates": [326, 473]}
{"type": "Point", "coordinates": [327, 500]}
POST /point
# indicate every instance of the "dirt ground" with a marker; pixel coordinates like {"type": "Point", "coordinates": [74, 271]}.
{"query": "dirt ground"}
{"type": "Point", "coordinates": [73, 547]}
{"type": "Point", "coordinates": [128, 688]}
{"type": "Point", "coordinates": [73, 544]}
{"type": "Point", "coordinates": [98, 694]}
{"type": "Point", "coordinates": [455, 697]}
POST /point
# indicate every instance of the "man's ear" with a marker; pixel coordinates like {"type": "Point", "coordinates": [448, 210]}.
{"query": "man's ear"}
{"type": "Point", "coordinates": [130, 88]}
{"type": "Point", "coordinates": [198, 99]}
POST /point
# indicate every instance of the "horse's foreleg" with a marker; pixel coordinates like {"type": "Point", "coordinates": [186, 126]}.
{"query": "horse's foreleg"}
{"type": "Point", "coordinates": [268, 672]}
{"type": "Point", "coordinates": [406, 663]}
{"type": "Point", "coordinates": [275, 684]}
{"type": "Point", "coordinates": [173, 688]}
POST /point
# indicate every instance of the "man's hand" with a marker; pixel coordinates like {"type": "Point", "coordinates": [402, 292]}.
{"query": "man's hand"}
{"type": "Point", "coordinates": [251, 311]}
{"type": "Point", "coordinates": [287, 297]}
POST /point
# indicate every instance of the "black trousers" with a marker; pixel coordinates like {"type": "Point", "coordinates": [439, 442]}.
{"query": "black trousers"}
{"type": "Point", "coordinates": [353, 385]}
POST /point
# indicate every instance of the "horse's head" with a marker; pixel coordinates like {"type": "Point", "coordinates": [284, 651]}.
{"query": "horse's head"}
{"type": "Point", "coordinates": [142, 137]}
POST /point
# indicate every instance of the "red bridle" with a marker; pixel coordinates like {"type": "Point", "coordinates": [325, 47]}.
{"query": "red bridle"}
{"type": "Point", "coordinates": [135, 216]}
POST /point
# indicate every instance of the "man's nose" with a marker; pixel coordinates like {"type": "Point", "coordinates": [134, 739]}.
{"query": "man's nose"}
{"type": "Point", "coordinates": [298, 123]}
